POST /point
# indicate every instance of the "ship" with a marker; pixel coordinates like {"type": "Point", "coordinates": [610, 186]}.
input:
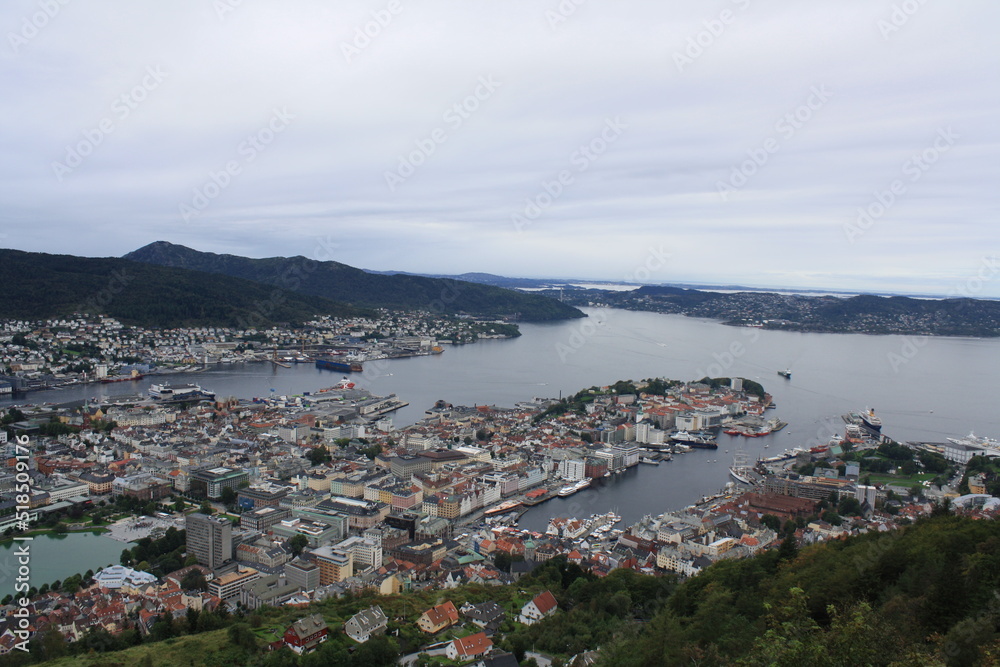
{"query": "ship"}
{"type": "Point", "coordinates": [691, 440]}
{"type": "Point", "coordinates": [339, 365]}
{"type": "Point", "coordinates": [122, 378]}
{"type": "Point", "coordinates": [740, 470]}
{"type": "Point", "coordinates": [787, 374]}
{"type": "Point", "coordinates": [503, 507]}
{"type": "Point", "coordinates": [573, 488]}
{"type": "Point", "coordinates": [869, 419]}
{"type": "Point", "coordinates": [180, 392]}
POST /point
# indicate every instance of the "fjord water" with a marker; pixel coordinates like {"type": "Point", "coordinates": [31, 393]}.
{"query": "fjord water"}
{"type": "Point", "coordinates": [924, 388]}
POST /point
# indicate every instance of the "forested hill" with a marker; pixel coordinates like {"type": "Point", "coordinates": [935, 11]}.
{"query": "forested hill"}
{"type": "Point", "coordinates": [798, 312]}
{"type": "Point", "coordinates": [38, 285]}
{"type": "Point", "coordinates": [340, 282]}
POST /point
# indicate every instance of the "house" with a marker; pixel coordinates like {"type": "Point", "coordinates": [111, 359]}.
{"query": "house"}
{"type": "Point", "coordinates": [438, 618]}
{"type": "Point", "coordinates": [305, 634]}
{"type": "Point", "coordinates": [365, 624]}
{"type": "Point", "coordinates": [498, 660]}
{"type": "Point", "coordinates": [542, 606]}
{"type": "Point", "coordinates": [467, 648]}
{"type": "Point", "coordinates": [487, 615]}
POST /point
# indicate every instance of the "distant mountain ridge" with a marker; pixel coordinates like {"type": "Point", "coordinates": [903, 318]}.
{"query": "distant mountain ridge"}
{"type": "Point", "coordinates": [864, 313]}
{"type": "Point", "coordinates": [344, 283]}
{"type": "Point", "coordinates": [39, 285]}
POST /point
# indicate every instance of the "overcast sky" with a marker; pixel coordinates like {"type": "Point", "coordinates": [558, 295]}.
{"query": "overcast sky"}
{"type": "Point", "coordinates": [721, 142]}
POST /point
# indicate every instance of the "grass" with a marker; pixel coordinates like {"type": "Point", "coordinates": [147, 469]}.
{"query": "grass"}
{"type": "Point", "coordinates": [191, 650]}
{"type": "Point", "coordinates": [903, 480]}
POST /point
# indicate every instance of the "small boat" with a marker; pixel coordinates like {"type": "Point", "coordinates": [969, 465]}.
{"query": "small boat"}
{"type": "Point", "coordinates": [787, 374]}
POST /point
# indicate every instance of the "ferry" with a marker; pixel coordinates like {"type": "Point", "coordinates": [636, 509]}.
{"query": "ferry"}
{"type": "Point", "coordinates": [573, 488]}
{"type": "Point", "coordinates": [692, 440]}
{"type": "Point", "coordinates": [787, 374]}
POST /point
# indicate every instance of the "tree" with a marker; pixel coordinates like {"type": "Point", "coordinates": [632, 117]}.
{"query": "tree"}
{"type": "Point", "coordinates": [298, 543]}
{"type": "Point", "coordinates": [194, 579]}
{"type": "Point", "coordinates": [227, 496]}
{"type": "Point", "coordinates": [771, 521]}
{"type": "Point", "coordinates": [319, 455]}
{"type": "Point", "coordinates": [241, 635]}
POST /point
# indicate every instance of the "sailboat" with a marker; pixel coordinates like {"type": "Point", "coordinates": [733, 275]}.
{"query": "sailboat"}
{"type": "Point", "coordinates": [740, 470]}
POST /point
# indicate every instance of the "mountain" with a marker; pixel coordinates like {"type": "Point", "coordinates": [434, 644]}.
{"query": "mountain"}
{"type": "Point", "coordinates": [39, 285]}
{"type": "Point", "coordinates": [864, 313]}
{"type": "Point", "coordinates": [340, 282]}
{"type": "Point", "coordinates": [481, 278]}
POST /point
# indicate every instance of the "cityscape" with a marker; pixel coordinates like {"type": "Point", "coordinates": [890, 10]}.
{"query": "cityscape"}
{"type": "Point", "coordinates": [511, 334]}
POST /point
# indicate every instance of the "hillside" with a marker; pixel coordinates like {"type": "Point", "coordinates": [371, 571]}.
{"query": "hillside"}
{"type": "Point", "coordinates": [340, 282]}
{"type": "Point", "coordinates": [38, 285]}
{"type": "Point", "coordinates": [921, 595]}
{"type": "Point", "coordinates": [796, 312]}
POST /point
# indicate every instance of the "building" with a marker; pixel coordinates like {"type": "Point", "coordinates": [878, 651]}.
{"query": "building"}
{"type": "Point", "coordinates": [273, 590]}
{"type": "Point", "coordinates": [487, 615]}
{"type": "Point", "coordinates": [209, 539]}
{"type": "Point", "coordinates": [99, 483]}
{"type": "Point", "coordinates": [255, 497]}
{"type": "Point", "coordinates": [210, 483]}
{"type": "Point", "coordinates": [303, 573]}
{"type": "Point", "coordinates": [229, 587]}
{"type": "Point", "coordinates": [362, 514]}
{"type": "Point", "coordinates": [305, 634]}
{"type": "Point", "coordinates": [262, 519]}
{"type": "Point", "coordinates": [119, 576]}
{"type": "Point", "coordinates": [438, 618]}
{"type": "Point", "coordinates": [542, 606]}
{"type": "Point", "coordinates": [469, 648]}
{"type": "Point", "coordinates": [334, 565]}
{"type": "Point", "coordinates": [366, 624]}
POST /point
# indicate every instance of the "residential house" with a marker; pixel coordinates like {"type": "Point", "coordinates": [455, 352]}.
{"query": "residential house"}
{"type": "Point", "coordinates": [365, 624]}
{"type": "Point", "coordinates": [543, 605]}
{"type": "Point", "coordinates": [438, 618]}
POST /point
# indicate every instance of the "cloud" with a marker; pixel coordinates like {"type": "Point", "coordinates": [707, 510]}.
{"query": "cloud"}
{"type": "Point", "coordinates": [701, 88]}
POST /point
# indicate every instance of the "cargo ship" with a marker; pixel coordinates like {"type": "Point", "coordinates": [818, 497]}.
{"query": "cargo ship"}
{"type": "Point", "coordinates": [339, 365]}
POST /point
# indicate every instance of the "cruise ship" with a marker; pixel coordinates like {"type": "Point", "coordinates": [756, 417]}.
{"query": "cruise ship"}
{"type": "Point", "coordinates": [692, 440]}
{"type": "Point", "coordinates": [573, 488]}
{"type": "Point", "coordinates": [179, 392]}
{"type": "Point", "coordinates": [869, 419]}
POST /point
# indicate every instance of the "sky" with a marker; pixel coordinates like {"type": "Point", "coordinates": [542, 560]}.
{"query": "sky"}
{"type": "Point", "coordinates": [845, 145]}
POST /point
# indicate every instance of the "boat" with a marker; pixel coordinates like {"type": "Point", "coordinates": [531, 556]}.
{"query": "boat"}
{"type": "Point", "coordinates": [503, 507]}
{"type": "Point", "coordinates": [573, 488]}
{"type": "Point", "coordinates": [691, 440]}
{"type": "Point", "coordinates": [787, 374]}
{"type": "Point", "coordinates": [646, 459]}
{"type": "Point", "coordinates": [869, 419]}
{"type": "Point", "coordinates": [122, 378]}
{"type": "Point", "coordinates": [334, 364]}
{"type": "Point", "coordinates": [180, 392]}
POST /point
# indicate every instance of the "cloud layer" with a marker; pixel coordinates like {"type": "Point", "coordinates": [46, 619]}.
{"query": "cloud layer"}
{"type": "Point", "coordinates": [849, 145]}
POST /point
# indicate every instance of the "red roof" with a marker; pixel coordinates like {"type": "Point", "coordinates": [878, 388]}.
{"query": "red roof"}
{"type": "Point", "coordinates": [545, 602]}
{"type": "Point", "coordinates": [473, 645]}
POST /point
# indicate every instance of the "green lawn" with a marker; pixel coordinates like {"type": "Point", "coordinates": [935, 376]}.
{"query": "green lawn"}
{"type": "Point", "coordinates": [901, 480]}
